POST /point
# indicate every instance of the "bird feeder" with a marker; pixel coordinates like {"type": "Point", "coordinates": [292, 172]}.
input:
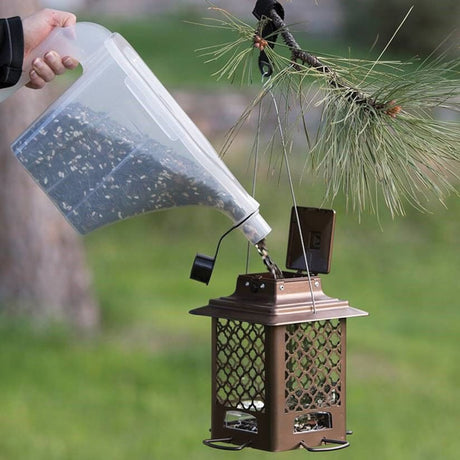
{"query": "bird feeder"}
{"type": "Point", "coordinates": [279, 361]}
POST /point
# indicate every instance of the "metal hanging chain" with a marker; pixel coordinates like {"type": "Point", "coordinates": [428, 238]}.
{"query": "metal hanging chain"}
{"type": "Point", "coordinates": [291, 186]}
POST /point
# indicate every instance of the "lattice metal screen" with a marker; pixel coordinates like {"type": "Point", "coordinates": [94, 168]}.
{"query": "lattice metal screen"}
{"type": "Point", "coordinates": [240, 365]}
{"type": "Point", "coordinates": [313, 365]}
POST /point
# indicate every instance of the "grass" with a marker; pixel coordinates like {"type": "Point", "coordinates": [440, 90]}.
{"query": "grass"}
{"type": "Point", "coordinates": [140, 388]}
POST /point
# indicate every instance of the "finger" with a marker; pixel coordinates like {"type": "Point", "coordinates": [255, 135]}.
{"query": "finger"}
{"type": "Point", "coordinates": [43, 69]}
{"type": "Point", "coordinates": [69, 62]}
{"type": "Point", "coordinates": [36, 82]}
{"type": "Point", "coordinates": [54, 62]}
{"type": "Point", "coordinates": [61, 18]}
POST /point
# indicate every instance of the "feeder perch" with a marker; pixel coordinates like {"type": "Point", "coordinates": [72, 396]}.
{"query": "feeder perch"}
{"type": "Point", "coordinates": [278, 365]}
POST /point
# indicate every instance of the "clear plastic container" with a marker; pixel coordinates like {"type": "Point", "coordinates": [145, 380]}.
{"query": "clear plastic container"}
{"type": "Point", "coordinates": [116, 144]}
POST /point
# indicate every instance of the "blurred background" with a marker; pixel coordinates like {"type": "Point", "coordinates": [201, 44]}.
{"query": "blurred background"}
{"type": "Point", "coordinates": [99, 357]}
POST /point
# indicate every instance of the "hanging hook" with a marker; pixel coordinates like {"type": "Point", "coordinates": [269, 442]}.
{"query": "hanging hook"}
{"type": "Point", "coordinates": [266, 29]}
{"type": "Point", "coordinates": [265, 67]}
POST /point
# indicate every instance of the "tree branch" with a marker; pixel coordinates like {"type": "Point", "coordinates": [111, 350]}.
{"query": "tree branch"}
{"type": "Point", "coordinates": [298, 54]}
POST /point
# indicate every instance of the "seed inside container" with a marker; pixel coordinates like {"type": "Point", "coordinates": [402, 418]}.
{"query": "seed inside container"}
{"type": "Point", "coordinates": [98, 171]}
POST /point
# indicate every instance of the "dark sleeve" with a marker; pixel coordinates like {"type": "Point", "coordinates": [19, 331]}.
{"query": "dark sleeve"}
{"type": "Point", "coordinates": [11, 51]}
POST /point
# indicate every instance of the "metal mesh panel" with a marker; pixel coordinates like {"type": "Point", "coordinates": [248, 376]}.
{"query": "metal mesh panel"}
{"type": "Point", "coordinates": [313, 365]}
{"type": "Point", "coordinates": [240, 365]}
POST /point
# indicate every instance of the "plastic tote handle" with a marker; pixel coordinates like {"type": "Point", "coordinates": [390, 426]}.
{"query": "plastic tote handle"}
{"type": "Point", "coordinates": [81, 41]}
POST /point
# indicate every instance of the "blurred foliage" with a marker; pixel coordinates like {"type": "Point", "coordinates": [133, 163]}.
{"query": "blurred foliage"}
{"type": "Point", "coordinates": [173, 46]}
{"type": "Point", "coordinates": [429, 24]}
{"type": "Point", "coordinates": [168, 45]}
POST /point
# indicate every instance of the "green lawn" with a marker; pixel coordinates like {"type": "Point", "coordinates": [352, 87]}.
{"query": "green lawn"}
{"type": "Point", "coordinates": [140, 389]}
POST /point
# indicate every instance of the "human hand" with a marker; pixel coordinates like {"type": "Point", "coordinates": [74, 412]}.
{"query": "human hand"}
{"type": "Point", "coordinates": [36, 28]}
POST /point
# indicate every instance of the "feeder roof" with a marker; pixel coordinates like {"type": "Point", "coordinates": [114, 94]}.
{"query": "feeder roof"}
{"type": "Point", "coordinates": [259, 298]}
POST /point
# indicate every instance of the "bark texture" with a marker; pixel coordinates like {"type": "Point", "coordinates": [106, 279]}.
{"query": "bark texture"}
{"type": "Point", "coordinates": [43, 270]}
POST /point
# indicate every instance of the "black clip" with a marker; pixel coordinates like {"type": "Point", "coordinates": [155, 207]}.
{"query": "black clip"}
{"type": "Point", "coordinates": [263, 10]}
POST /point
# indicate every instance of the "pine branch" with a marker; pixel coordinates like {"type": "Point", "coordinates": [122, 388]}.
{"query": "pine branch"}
{"type": "Point", "coordinates": [298, 54]}
{"type": "Point", "coordinates": [377, 135]}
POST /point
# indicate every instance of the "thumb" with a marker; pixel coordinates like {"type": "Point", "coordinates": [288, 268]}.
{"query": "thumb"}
{"type": "Point", "coordinates": [61, 18]}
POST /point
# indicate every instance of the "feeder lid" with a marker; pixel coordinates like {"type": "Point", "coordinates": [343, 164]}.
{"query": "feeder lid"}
{"type": "Point", "coordinates": [259, 298]}
{"type": "Point", "coordinates": [317, 227]}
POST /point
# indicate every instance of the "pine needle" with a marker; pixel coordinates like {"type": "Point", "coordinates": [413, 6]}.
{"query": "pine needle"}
{"type": "Point", "coordinates": [377, 129]}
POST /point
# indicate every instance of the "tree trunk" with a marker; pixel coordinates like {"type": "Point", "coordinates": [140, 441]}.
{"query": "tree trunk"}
{"type": "Point", "coordinates": [43, 270]}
